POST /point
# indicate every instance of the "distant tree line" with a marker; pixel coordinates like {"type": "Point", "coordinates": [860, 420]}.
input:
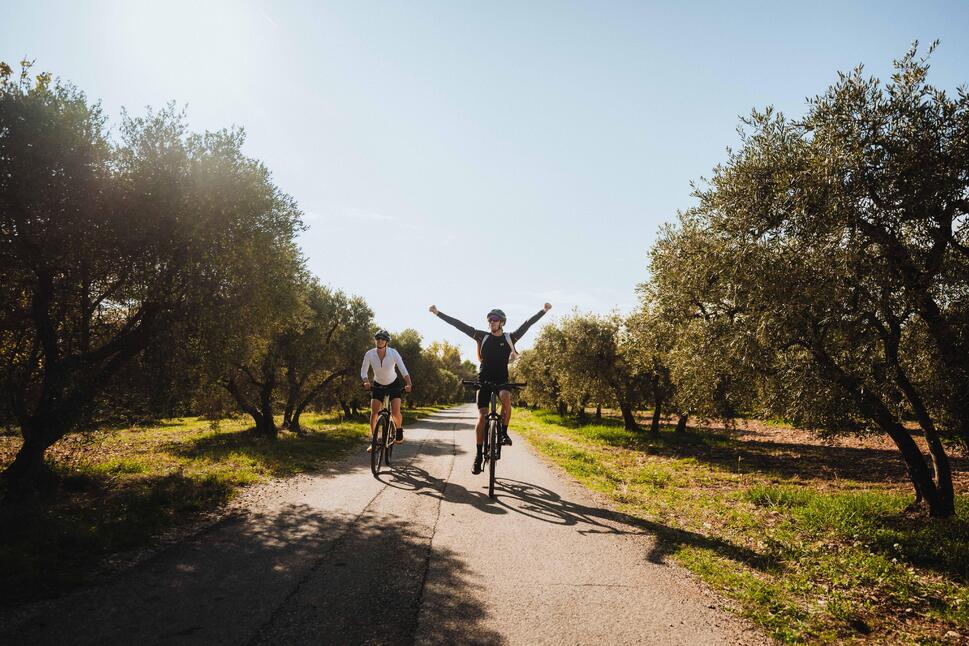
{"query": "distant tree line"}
{"type": "Point", "coordinates": [823, 278]}
{"type": "Point", "coordinates": [154, 272]}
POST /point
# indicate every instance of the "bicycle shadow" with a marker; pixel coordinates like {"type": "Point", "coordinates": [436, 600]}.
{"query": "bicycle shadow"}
{"type": "Point", "coordinates": [419, 481]}
{"type": "Point", "coordinates": [547, 506]}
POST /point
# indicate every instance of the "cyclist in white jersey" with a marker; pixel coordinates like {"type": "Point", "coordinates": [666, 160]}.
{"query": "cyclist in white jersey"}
{"type": "Point", "coordinates": [384, 361]}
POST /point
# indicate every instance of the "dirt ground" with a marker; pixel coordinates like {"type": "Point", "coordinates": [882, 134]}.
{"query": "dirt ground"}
{"type": "Point", "coordinates": [871, 458]}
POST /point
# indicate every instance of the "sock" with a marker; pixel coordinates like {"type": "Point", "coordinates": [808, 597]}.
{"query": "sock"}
{"type": "Point", "coordinates": [480, 449]}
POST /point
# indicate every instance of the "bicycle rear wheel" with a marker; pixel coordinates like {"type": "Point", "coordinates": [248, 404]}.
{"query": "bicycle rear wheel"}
{"type": "Point", "coordinates": [492, 455]}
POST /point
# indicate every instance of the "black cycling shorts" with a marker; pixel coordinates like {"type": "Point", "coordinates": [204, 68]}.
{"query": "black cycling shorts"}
{"type": "Point", "coordinates": [484, 398]}
{"type": "Point", "coordinates": [396, 390]}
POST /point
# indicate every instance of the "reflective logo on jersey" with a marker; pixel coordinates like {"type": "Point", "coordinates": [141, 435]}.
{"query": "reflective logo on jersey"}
{"type": "Point", "coordinates": [514, 353]}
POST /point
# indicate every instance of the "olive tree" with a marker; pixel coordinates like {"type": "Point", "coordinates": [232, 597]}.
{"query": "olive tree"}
{"type": "Point", "coordinates": [538, 368]}
{"type": "Point", "coordinates": [325, 342]}
{"type": "Point", "coordinates": [835, 264]}
{"type": "Point", "coordinates": [109, 245]}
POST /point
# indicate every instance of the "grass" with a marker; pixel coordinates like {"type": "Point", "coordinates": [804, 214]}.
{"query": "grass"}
{"type": "Point", "coordinates": [118, 490]}
{"type": "Point", "coordinates": [808, 557]}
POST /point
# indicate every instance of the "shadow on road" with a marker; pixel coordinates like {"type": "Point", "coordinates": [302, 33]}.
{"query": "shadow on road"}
{"type": "Point", "coordinates": [416, 479]}
{"type": "Point", "coordinates": [547, 506]}
{"type": "Point", "coordinates": [293, 576]}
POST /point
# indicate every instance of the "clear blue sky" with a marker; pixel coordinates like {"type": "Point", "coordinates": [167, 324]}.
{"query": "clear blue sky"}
{"type": "Point", "coordinates": [475, 155]}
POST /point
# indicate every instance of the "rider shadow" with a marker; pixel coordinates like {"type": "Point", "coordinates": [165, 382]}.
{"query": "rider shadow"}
{"type": "Point", "coordinates": [416, 479]}
{"type": "Point", "coordinates": [547, 506]}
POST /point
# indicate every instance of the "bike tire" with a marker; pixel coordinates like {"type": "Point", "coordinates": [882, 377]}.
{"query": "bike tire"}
{"type": "Point", "coordinates": [379, 445]}
{"type": "Point", "coordinates": [375, 451]}
{"type": "Point", "coordinates": [391, 438]}
{"type": "Point", "coordinates": [492, 456]}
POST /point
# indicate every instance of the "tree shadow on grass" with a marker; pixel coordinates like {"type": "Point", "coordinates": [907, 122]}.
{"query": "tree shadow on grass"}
{"type": "Point", "coordinates": [292, 576]}
{"type": "Point", "coordinates": [314, 451]}
{"type": "Point", "coordinates": [720, 448]}
{"type": "Point", "coordinates": [940, 545]}
{"type": "Point", "coordinates": [54, 542]}
{"type": "Point", "coordinates": [783, 460]}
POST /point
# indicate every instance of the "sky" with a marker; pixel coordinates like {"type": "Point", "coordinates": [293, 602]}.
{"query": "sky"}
{"type": "Point", "coordinates": [476, 155]}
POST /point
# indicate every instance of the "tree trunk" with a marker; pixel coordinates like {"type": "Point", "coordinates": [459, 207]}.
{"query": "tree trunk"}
{"type": "Point", "coordinates": [294, 422]}
{"type": "Point", "coordinates": [347, 413]}
{"type": "Point", "coordinates": [681, 423]}
{"type": "Point", "coordinates": [28, 470]}
{"type": "Point", "coordinates": [941, 468]}
{"type": "Point", "coordinates": [563, 409]}
{"type": "Point", "coordinates": [918, 471]}
{"type": "Point", "coordinates": [261, 415]}
{"type": "Point", "coordinates": [292, 395]}
{"type": "Point", "coordinates": [628, 419]}
{"type": "Point", "coordinates": [598, 412]}
{"type": "Point", "coordinates": [943, 477]}
{"type": "Point", "coordinates": [939, 501]}
{"type": "Point", "coordinates": [265, 424]}
{"type": "Point", "coordinates": [657, 413]}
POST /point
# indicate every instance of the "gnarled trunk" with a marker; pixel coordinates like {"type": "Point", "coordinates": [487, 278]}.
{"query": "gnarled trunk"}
{"type": "Point", "coordinates": [937, 495]}
{"type": "Point", "coordinates": [681, 423]}
{"type": "Point", "coordinates": [628, 419]}
{"type": "Point", "coordinates": [657, 414]}
{"type": "Point", "coordinates": [29, 470]}
{"type": "Point", "coordinates": [262, 412]}
{"type": "Point", "coordinates": [294, 423]}
{"type": "Point", "coordinates": [265, 424]}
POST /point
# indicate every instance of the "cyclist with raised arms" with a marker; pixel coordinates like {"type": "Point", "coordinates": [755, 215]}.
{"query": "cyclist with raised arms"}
{"type": "Point", "coordinates": [495, 348]}
{"type": "Point", "coordinates": [382, 359]}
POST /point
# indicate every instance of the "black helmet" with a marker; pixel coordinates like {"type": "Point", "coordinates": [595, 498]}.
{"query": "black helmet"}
{"type": "Point", "coordinates": [498, 313]}
{"type": "Point", "coordinates": [382, 334]}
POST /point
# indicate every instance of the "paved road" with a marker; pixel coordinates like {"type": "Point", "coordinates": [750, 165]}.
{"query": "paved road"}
{"type": "Point", "coordinates": [419, 556]}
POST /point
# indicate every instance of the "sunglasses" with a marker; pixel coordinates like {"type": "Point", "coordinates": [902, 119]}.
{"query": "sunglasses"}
{"type": "Point", "coordinates": [492, 319]}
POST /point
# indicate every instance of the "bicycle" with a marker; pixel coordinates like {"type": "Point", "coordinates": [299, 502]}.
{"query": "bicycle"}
{"type": "Point", "coordinates": [491, 451]}
{"type": "Point", "coordinates": [384, 434]}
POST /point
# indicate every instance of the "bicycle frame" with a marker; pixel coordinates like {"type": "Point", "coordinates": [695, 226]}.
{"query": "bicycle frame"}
{"type": "Point", "coordinates": [491, 449]}
{"type": "Point", "coordinates": [384, 434]}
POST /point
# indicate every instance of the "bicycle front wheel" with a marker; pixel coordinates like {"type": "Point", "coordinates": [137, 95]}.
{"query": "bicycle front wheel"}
{"type": "Point", "coordinates": [378, 444]}
{"type": "Point", "coordinates": [492, 456]}
{"type": "Point", "coordinates": [390, 440]}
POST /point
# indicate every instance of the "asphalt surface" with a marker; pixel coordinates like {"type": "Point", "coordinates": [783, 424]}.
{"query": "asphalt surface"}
{"type": "Point", "coordinates": [420, 555]}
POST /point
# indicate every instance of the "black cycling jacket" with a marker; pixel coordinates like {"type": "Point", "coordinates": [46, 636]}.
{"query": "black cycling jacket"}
{"type": "Point", "coordinates": [495, 353]}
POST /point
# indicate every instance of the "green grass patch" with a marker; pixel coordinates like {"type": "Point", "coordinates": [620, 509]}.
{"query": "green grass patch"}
{"type": "Point", "coordinates": [119, 489]}
{"type": "Point", "coordinates": [811, 559]}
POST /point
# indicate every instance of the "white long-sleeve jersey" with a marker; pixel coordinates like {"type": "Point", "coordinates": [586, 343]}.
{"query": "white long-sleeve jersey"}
{"type": "Point", "coordinates": [383, 371]}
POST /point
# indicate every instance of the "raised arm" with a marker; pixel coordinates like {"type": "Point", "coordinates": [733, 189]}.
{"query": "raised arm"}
{"type": "Point", "coordinates": [464, 327]}
{"type": "Point", "coordinates": [520, 332]}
